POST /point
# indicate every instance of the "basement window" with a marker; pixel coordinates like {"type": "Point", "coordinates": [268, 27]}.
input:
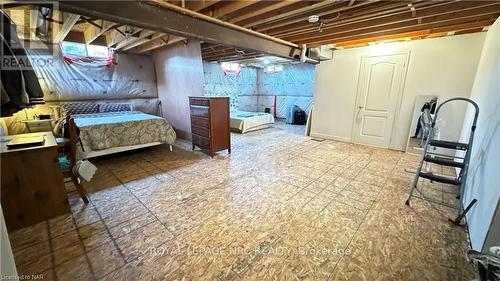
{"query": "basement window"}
{"type": "Point", "coordinates": [74, 49]}
{"type": "Point", "coordinates": [96, 51]}
{"type": "Point", "coordinates": [273, 68]}
{"type": "Point", "coordinates": [83, 50]}
{"type": "Point", "coordinates": [231, 68]}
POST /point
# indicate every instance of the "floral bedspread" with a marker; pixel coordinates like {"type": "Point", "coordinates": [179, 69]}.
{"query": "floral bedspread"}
{"type": "Point", "coordinates": [113, 129]}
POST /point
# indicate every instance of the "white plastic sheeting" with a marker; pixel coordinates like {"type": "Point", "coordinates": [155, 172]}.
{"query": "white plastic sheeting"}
{"type": "Point", "coordinates": [241, 88]}
{"type": "Point", "coordinates": [132, 77]}
{"type": "Point", "coordinates": [293, 86]}
{"type": "Point", "coordinates": [132, 80]}
{"type": "Point", "coordinates": [254, 90]}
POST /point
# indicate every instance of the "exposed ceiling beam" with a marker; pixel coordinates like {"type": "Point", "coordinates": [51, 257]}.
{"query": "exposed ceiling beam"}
{"type": "Point", "coordinates": [281, 16]}
{"type": "Point", "coordinates": [427, 17]}
{"type": "Point", "coordinates": [212, 47]}
{"type": "Point", "coordinates": [218, 50]}
{"type": "Point", "coordinates": [231, 56]}
{"type": "Point", "coordinates": [438, 8]}
{"type": "Point", "coordinates": [143, 41]}
{"type": "Point", "coordinates": [92, 32]}
{"type": "Point", "coordinates": [275, 6]}
{"type": "Point", "coordinates": [433, 28]}
{"type": "Point", "coordinates": [367, 12]}
{"type": "Point", "coordinates": [171, 19]}
{"type": "Point", "coordinates": [158, 43]}
{"type": "Point", "coordinates": [59, 31]}
{"type": "Point", "coordinates": [302, 17]}
{"type": "Point", "coordinates": [229, 7]}
{"type": "Point", "coordinates": [120, 34]}
{"type": "Point", "coordinates": [134, 39]}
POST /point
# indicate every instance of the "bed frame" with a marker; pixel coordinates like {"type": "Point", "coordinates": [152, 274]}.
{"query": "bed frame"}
{"type": "Point", "coordinates": [122, 149]}
{"type": "Point", "coordinates": [253, 129]}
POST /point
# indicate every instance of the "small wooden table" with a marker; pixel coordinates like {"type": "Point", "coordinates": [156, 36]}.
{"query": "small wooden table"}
{"type": "Point", "coordinates": [32, 184]}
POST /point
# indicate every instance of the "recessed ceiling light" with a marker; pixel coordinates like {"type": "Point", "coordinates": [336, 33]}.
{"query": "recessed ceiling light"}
{"type": "Point", "coordinates": [313, 19]}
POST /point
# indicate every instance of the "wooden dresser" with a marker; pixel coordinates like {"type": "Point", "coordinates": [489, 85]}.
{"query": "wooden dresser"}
{"type": "Point", "coordinates": [210, 123]}
{"type": "Point", "coordinates": [32, 182]}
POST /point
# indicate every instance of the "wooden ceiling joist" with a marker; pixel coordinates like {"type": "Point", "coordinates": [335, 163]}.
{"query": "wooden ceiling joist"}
{"type": "Point", "coordinates": [232, 56]}
{"type": "Point", "coordinates": [450, 26]}
{"type": "Point", "coordinates": [120, 34]}
{"type": "Point", "coordinates": [281, 16]}
{"type": "Point", "coordinates": [426, 17]}
{"type": "Point", "coordinates": [278, 27]}
{"type": "Point", "coordinates": [228, 7]}
{"type": "Point", "coordinates": [218, 51]}
{"type": "Point", "coordinates": [438, 8]}
{"type": "Point", "coordinates": [92, 32]}
{"type": "Point", "coordinates": [274, 6]}
{"type": "Point", "coordinates": [134, 39]}
{"type": "Point", "coordinates": [141, 41]}
{"type": "Point", "coordinates": [211, 47]}
{"type": "Point", "coordinates": [302, 17]}
{"type": "Point", "coordinates": [158, 43]}
{"type": "Point", "coordinates": [235, 58]}
{"type": "Point", "coordinates": [364, 13]}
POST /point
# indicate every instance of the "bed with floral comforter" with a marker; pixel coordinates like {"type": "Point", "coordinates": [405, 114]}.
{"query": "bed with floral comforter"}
{"type": "Point", "coordinates": [124, 129]}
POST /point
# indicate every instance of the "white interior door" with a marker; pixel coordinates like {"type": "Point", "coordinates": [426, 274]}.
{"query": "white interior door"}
{"type": "Point", "coordinates": [379, 89]}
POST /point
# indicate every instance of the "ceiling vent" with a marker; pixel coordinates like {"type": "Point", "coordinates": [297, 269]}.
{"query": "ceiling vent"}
{"type": "Point", "coordinates": [321, 53]}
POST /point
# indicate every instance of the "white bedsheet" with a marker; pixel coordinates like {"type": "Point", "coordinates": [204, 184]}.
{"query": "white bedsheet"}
{"type": "Point", "coordinates": [245, 121]}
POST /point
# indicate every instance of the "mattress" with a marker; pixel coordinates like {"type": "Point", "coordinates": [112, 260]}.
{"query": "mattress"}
{"type": "Point", "coordinates": [100, 131]}
{"type": "Point", "coordinates": [245, 121]}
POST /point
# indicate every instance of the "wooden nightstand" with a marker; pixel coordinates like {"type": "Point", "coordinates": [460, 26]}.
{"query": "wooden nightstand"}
{"type": "Point", "coordinates": [32, 182]}
{"type": "Point", "coordinates": [34, 126]}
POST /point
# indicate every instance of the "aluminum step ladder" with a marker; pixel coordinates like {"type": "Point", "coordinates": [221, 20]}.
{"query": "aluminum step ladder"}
{"type": "Point", "coordinates": [430, 156]}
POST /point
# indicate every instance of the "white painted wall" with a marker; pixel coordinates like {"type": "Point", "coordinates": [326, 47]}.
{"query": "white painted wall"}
{"type": "Point", "coordinates": [483, 182]}
{"type": "Point", "coordinates": [179, 75]}
{"type": "Point", "coordinates": [442, 66]}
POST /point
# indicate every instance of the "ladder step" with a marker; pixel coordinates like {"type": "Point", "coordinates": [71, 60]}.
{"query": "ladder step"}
{"type": "Point", "coordinates": [449, 144]}
{"type": "Point", "coordinates": [443, 161]}
{"type": "Point", "coordinates": [439, 178]}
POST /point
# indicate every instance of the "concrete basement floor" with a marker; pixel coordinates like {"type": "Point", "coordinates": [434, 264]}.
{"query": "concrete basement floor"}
{"type": "Point", "coordinates": [282, 206]}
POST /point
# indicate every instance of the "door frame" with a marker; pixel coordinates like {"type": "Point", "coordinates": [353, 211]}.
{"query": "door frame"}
{"type": "Point", "coordinates": [399, 100]}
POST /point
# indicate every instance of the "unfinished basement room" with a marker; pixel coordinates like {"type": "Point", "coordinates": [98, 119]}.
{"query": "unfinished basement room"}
{"type": "Point", "coordinates": [339, 140]}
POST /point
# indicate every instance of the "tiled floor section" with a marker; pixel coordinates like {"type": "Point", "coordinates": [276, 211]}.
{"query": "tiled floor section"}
{"type": "Point", "coordinates": [281, 206]}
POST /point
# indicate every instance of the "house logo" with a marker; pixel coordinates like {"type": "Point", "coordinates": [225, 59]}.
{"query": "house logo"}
{"type": "Point", "coordinates": [30, 32]}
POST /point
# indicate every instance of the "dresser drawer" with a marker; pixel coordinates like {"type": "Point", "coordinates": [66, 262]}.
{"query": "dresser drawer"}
{"type": "Point", "coordinates": [199, 111]}
{"type": "Point", "coordinates": [200, 141]}
{"type": "Point", "coordinates": [200, 122]}
{"type": "Point", "coordinates": [195, 101]}
{"type": "Point", "coordinates": [202, 131]}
